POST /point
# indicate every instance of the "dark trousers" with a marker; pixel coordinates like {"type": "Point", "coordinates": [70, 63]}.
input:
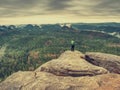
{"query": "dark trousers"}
{"type": "Point", "coordinates": [72, 47]}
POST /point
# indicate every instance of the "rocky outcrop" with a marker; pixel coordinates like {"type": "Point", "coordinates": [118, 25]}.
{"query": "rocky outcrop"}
{"type": "Point", "coordinates": [108, 61]}
{"type": "Point", "coordinates": [48, 81]}
{"type": "Point", "coordinates": [60, 74]}
{"type": "Point", "coordinates": [71, 64]}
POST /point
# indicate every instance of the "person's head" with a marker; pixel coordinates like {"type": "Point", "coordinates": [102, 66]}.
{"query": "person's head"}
{"type": "Point", "coordinates": [72, 42]}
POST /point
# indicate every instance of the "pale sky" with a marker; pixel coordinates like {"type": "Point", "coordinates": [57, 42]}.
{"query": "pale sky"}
{"type": "Point", "coordinates": [58, 11]}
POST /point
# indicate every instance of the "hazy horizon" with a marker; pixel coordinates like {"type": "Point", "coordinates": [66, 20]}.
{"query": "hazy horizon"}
{"type": "Point", "coordinates": [58, 11]}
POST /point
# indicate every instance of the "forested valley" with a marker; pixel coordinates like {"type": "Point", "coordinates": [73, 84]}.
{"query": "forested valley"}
{"type": "Point", "coordinates": [26, 47]}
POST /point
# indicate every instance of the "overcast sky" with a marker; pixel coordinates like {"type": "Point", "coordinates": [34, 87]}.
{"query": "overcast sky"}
{"type": "Point", "coordinates": [58, 11]}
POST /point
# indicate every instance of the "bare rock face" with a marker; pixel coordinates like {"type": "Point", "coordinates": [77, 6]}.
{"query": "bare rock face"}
{"type": "Point", "coordinates": [108, 61]}
{"type": "Point", "coordinates": [71, 64]}
{"type": "Point", "coordinates": [48, 81]}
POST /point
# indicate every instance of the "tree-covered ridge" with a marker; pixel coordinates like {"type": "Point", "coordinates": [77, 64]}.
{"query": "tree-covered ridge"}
{"type": "Point", "coordinates": [107, 27]}
{"type": "Point", "coordinates": [29, 46]}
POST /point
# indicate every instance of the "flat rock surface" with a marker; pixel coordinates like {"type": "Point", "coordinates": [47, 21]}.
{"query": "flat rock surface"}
{"type": "Point", "coordinates": [108, 61]}
{"type": "Point", "coordinates": [71, 64]}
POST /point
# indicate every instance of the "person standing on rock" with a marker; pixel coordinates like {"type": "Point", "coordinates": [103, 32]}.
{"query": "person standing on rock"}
{"type": "Point", "coordinates": [72, 45]}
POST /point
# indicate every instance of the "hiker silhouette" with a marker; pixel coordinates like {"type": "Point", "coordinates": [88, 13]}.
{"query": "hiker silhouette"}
{"type": "Point", "coordinates": [72, 45]}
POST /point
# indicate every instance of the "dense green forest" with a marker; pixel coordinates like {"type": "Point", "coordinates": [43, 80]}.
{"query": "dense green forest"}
{"type": "Point", "coordinates": [26, 47]}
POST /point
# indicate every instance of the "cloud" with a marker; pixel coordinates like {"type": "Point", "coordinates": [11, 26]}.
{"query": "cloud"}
{"type": "Point", "coordinates": [18, 4]}
{"type": "Point", "coordinates": [58, 4]}
{"type": "Point", "coordinates": [109, 4]}
{"type": "Point", "coordinates": [107, 7]}
{"type": "Point", "coordinates": [12, 8]}
{"type": "Point", "coordinates": [15, 8]}
{"type": "Point", "coordinates": [76, 7]}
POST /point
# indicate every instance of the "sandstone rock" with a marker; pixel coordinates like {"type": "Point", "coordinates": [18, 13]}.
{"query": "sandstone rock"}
{"type": "Point", "coordinates": [71, 64]}
{"type": "Point", "coordinates": [48, 81]}
{"type": "Point", "coordinates": [108, 61]}
{"type": "Point", "coordinates": [109, 82]}
{"type": "Point", "coordinates": [17, 80]}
